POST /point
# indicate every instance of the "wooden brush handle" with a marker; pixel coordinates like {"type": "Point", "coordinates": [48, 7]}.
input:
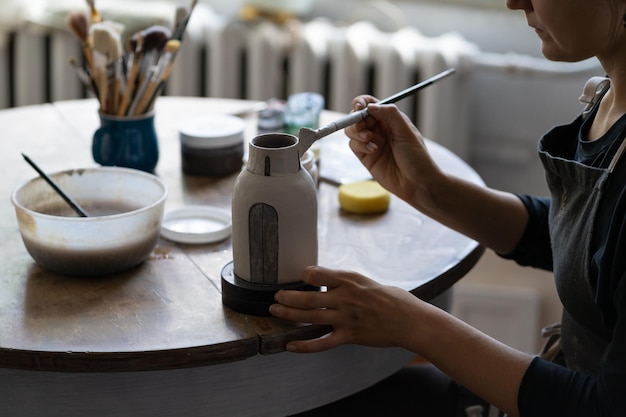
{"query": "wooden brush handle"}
{"type": "Point", "coordinates": [88, 54]}
{"type": "Point", "coordinates": [130, 87]}
{"type": "Point", "coordinates": [146, 98]}
{"type": "Point", "coordinates": [103, 89]}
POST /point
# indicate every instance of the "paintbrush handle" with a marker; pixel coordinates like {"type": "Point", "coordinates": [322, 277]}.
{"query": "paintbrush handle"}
{"type": "Point", "coordinates": [83, 76]}
{"type": "Point", "coordinates": [88, 54]}
{"type": "Point", "coordinates": [134, 106]}
{"type": "Point", "coordinates": [56, 188]}
{"type": "Point", "coordinates": [158, 90]}
{"type": "Point", "coordinates": [307, 136]}
{"type": "Point", "coordinates": [118, 86]}
{"type": "Point", "coordinates": [413, 89]}
{"type": "Point", "coordinates": [157, 93]}
{"type": "Point", "coordinates": [356, 117]}
{"type": "Point", "coordinates": [160, 87]}
{"type": "Point", "coordinates": [130, 86]}
{"type": "Point", "coordinates": [103, 88]}
{"type": "Point", "coordinates": [146, 98]}
{"type": "Point", "coordinates": [342, 123]}
{"type": "Point", "coordinates": [180, 30]}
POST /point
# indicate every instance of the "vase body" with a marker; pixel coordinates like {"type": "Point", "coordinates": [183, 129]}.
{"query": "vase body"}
{"type": "Point", "coordinates": [274, 214]}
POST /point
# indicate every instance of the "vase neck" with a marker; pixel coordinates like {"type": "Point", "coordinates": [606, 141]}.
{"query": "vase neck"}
{"type": "Point", "coordinates": [274, 154]}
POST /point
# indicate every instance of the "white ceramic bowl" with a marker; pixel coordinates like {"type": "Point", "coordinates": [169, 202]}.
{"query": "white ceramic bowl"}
{"type": "Point", "coordinates": [106, 242]}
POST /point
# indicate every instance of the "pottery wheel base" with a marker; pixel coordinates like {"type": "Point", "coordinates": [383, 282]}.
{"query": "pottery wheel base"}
{"type": "Point", "coordinates": [249, 298]}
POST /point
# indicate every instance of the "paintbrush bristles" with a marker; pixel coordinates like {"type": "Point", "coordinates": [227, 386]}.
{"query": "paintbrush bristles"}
{"type": "Point", "coordinates": [154, 40]}
{"type": "Point", "coordinates": [107, 44]}
{"type": "Point", "coordinates": [155, 37]}
{"type": "Point", "coordinates": [106, 40]}
{"type": "Point", "coordinates": [79, 26]}
{"type": "Point", "coordinates": [129, 89]}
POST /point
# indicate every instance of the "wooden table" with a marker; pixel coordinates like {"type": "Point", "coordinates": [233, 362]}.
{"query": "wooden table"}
{"type": "Point", "coordinates": [157, 341]}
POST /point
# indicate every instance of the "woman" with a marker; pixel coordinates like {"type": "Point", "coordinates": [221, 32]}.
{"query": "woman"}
{"type": "Point", "coordinates": [579, 233]}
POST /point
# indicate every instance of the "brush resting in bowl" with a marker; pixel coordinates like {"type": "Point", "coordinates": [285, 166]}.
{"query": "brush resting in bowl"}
{"type": "Point", "coordinates": [126, 208]}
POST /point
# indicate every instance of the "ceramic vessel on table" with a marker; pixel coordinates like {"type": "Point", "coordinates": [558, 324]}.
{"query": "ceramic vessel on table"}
{"type": "Point", "coordinates": [274, 224]}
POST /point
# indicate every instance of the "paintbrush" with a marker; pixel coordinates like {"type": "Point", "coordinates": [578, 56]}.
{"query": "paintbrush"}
{"type": "Point", "coordinates": [308, 136]}
{"type": "Point", "coordinates": [83, 76]}
{"type": "Point", "coordinates": [180, 29]}
{"type": "Point", "coordinates": [179, 18]}
{"type": "Point", "coordinates": [107, 47]}
{"type": "Point", "coordinates": [95, 15]}
{"type": "Point", "coordinates": [79, 25]}
{"type": "Point", "coordinates": [154, 40]}
{"type": "Point", "coordinates": [164, 68]}
{"type": "Point", "coordinates": [100, 78]}
{"type": "Point", "coordinates": [78, 209]}
{"type": "Point", "coordinates": [133, 63]}
{"type": "Point", "coordinates": [118, 83]}
{"type": "Point", "coordinates": [117, 57]}
{"type": "Point", "coordinates": [132, 111]}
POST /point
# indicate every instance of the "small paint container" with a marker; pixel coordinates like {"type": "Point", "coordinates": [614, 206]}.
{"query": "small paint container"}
{"type": "Point", "coordinates": [303, 110]}
{"type": "Point", "coordinates": [212, 145]}
{"type": "Point", "coordinates": [272, 118]}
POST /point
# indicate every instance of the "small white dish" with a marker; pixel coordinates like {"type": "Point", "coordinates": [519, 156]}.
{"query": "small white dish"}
{"type": "Point", "coordinates": [197, 225]}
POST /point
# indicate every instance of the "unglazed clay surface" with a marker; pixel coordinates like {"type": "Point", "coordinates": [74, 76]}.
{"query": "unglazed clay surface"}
{"type": "Point", "coordinates": [274, 212]}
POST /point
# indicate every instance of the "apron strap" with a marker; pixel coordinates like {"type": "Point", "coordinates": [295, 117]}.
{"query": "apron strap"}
{"type": "Point", "coordinates": [617, 156]}
{"type": "Point", "coordinates": [594, 88]}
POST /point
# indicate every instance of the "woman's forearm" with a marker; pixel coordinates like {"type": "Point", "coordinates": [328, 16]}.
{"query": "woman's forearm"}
{"type": "Point", "coordinates": [487, 367]}
{"type": "Point", "coordinates": [362, 311]}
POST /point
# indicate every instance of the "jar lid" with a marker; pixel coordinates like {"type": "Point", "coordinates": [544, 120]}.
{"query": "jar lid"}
{"type": "Point", "coordinates": [196, 225]}
{"type": "Point", "coordinates": [212, 131]}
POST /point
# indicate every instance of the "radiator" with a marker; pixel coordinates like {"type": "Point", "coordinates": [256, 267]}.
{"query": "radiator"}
{"type": "Point", "coordinates": [262, 60]}
{"type": "Point", "coordinates": [259, 60]}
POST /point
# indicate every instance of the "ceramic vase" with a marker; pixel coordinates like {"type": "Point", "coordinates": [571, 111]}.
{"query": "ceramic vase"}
{"type": "Point", "coordinates": [274, 214]}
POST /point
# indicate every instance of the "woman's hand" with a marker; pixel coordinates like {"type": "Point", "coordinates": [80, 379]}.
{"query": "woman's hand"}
{"type": "Point", "coordinates": [393, 150]}
{"type": "Point", "coordinates": [360, 310]}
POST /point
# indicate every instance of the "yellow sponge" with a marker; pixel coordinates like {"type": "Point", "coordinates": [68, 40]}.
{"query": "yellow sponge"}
{"type": "Point", "coordinates": [364, 197]}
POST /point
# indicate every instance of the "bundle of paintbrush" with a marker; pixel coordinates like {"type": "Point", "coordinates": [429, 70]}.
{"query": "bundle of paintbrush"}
{"type": "Point", "coordinates": [125, 76]}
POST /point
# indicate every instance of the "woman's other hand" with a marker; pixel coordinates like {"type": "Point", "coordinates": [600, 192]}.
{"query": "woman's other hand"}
{"type": "Point", "coordinates": [359, 310]}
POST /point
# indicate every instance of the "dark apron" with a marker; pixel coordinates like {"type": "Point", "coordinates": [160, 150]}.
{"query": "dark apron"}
{"type": "Point", "coordinates": [576, 190]}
